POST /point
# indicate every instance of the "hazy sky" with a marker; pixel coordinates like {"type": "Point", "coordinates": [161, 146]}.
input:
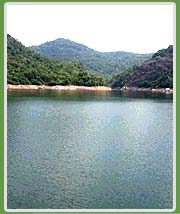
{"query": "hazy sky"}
{"type": "Point", "coordinates": [111, 27]}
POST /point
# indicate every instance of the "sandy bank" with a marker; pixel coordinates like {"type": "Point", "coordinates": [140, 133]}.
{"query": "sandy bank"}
{"type": "Point", "coordinates": [59, 87]}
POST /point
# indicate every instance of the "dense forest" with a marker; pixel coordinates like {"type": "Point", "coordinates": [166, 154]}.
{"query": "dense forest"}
{"type": "Point", "coordinates": [154, 73]}
{"type": "Point", "coordinates": [106, 63]}
{"type": "Point", "coordinates": [28, 67]}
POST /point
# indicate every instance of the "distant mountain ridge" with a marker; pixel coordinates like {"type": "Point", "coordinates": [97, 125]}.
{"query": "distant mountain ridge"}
{"type": "Point", "coordinates": [101, 62]}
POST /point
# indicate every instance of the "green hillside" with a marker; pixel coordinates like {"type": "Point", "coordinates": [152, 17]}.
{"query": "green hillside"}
{"type": "Point", "coordinates": [154, 73]}
{"type": "Point", "coordinates": [101, 62]}
{"type": "Point", "coordinates": [28, 67]}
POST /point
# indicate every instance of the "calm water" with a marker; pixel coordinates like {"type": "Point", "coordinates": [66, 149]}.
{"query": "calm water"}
{"type": "Point", "coordinates": [89, 150]}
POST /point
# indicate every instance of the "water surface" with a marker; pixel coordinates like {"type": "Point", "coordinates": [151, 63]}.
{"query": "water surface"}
{"type": "Point", "coordinates": [89, 150]}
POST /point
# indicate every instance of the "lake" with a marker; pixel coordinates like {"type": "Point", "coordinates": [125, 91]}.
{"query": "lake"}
{"type": "Point", "coordinates": [92, 150]}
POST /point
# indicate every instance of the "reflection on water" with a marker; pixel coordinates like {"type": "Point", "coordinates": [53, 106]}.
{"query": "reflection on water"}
{"type": "Point", "coordinates": [73, 94]}
{"type": "Point", "coordinates": [69, 149]}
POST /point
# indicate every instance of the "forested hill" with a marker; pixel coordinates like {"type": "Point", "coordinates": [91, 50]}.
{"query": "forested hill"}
{"type": "Point", "coordinates": [28, 67]}
{"type": "Point", "coordinates": [154, 73]}
{"type": "Point", "coordinates": [102, 62]}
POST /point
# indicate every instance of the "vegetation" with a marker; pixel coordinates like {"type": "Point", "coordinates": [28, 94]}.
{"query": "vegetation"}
{"type": "Point", "coordinates": [154, 73]}
{"type": "Point", "coordinates": [28, 67]}
{"type": "Point", "coordinates": [101, 62]}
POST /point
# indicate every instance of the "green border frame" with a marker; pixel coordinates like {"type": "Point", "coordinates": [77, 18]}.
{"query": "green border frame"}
{"type": "Point", "coordinates": [2, 2]}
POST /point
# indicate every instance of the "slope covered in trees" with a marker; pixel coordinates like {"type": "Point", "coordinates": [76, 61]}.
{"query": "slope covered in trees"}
{"type": "Point", "coordinates": [154, 73]}
{"type": "Point", "coordinates": [101, 62]}
{"type": "Point", "coordinates": [28, 67]}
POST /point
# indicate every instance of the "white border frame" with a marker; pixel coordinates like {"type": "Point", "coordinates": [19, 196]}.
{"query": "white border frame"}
{"type": "Point", "coordinates": [174, 107]}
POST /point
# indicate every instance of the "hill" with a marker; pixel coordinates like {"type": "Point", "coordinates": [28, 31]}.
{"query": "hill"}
{"type": "Point", "coordinates": [101, 62]}
{"type": "Point", "coordinates": [154, 73]}
{"type": "Point", "coordinates": [25, 66]}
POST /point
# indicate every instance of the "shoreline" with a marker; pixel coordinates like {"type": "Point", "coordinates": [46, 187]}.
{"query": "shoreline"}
{"type": "Point", "coordinates": [88, 88]}
{"type": "Point", "coordinates": [152, 90]}
{"type": "Point", "coordinates": [58, 87]}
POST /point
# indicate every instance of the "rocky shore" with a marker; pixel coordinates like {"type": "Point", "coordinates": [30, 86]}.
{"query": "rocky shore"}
{"type": "Point", "coordinates": [92, 88]}
{"type": "Point", "coordinates": [153, 90]}
{"type": "Point", "coordinates": [58, 87]}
